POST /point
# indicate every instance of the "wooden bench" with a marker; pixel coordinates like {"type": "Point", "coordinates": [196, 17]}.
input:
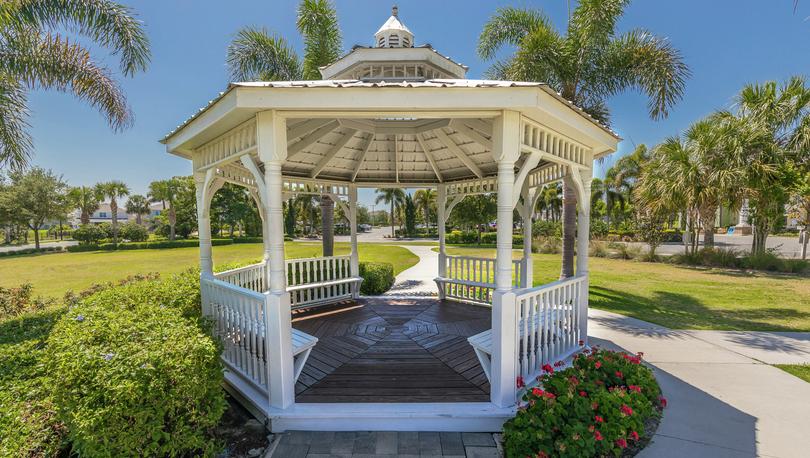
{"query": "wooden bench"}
{"type": "Point", "coordinates": [302, 344]}
{"type": "Point", "coordinates": [482, 342]}
{"type": "Point", "coordinates": [442, 284]}
{"type": "Point", "coordinates": [311, 294]}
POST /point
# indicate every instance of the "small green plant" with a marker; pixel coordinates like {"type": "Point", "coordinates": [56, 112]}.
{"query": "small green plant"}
{"type": "Point", "coordinates": [17, 301]}
{"type": "Point", "coordinates": [549, 245]}
{"type": "Point", "coordinates": [597, 407]}
{"type": "Point", "coordinates": [545, 228]}
{"type": "Point", "coordinates": [89, 234]}
{"type": "Point", "coordinates": [378, 277]}
{"type": "Point", "coordinates": [599, 249]}
{"type": "Point", "coordinates": [133, 232]}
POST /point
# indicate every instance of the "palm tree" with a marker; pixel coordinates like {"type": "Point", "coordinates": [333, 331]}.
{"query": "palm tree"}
{"type": "Point", "coordinates": [586, 65]}
{"type": "Point", "coordinates": [36, 54]}
{"type": "Point", "coordinates": [394, 197]}
{"type": "Point", "coordinates": [256, 54]}
{"type": "Point", "coordinates": [113, 190]}
{"type": "Point", "coordinates": [138, 205]}
{"type": "Point", "coordinates": [166, 191]}
{"type": "Point", "coordinates": [550, 201]}
{"type": "Point", "coordinates": [85, 199]}
{"type": "Point", "coordinates": [425, 199]}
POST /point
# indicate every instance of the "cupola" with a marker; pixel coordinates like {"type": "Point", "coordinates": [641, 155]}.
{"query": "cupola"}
{"type": "Point", "coordinates": [393, 34]}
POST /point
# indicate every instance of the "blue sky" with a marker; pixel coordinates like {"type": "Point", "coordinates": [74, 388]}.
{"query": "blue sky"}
{"type": "Point", "coordinates": [726, 43]}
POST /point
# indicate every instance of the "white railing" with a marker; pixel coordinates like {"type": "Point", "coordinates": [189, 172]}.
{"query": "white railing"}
{"type": "Point", "coordinates": [239, 316]}
{"type": "Point", "coordinates": [548, 323]}
{"type": "Point", "coordinates": [252, 277]}
{"type": "Point", "coordinates": [317, 280]}
{"type": "Point", "coordinates": [473, 279]}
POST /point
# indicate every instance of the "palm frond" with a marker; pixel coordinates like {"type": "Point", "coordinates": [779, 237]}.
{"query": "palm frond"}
{"type": "Point", "coordinates": [52, 62]}
{"type": "Point", "coordinates": [15, 141]}
{"type": "Point", "coordinates": [110, 24]}
{"type": "Point", "coordinates": [256, 55]}
{"type": "Point", "coordinates": [509, 26]}
{"type": "Point", "coordinates": [317, 22]}
{"type": "Point", "coordinates": [651, 64]}
{"type": "Point", "coordinates": [593, 23]}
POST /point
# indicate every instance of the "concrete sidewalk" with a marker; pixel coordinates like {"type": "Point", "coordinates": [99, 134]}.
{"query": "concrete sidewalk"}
{"type": "Point", "coordinates": [418, 279]}
{"type": "Point", "coordinates": [725, 400]}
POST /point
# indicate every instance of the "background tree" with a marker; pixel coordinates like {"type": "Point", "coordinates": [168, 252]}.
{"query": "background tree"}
{"type": "Point", "coordinates": [410, 215]}
{"type": "Point", "coordinates": [232, 206]}
{"type": "Point", "coordinates": [425, 199]}
{"type": "Point", "coordinates": [587, 65]}
{"type": "Point", "coordinates": [169, 193]}
{"type": "Point", "coordinates": [475, 212]}
{"type": "Point", "coordinates": [255, 54]}
{"type": "Point", "coordinates": [393, 197]}
{"type": "Point", "coordinates": [113, 190]}
{"type": "Point", "coordinates": [289, 218]}
{"type": "Point", "coordinates": [36, 196]}
{"type": "Point", "coordinates": [138, 205]}
{"type": "Point", "coordinates": [36, 54]}
{"type": "Point", "coordinates": [85, 198]}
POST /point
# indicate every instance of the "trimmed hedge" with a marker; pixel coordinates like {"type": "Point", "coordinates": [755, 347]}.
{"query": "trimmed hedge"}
{"type": "Point", "coordinates": [47, 249]}
{"type": "Point", "coordinates": [599, 406]}
{"type": "Point", "coordinates": [378, 277]}
{"type": "Point", "coordinates": [162, 244]}
{"type": "Point", "coordinates": [137, 372]}
{"type": "Point", "coordinates": [248, 240]}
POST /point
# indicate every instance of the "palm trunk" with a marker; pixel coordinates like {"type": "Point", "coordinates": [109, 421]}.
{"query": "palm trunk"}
{"type": "Point", "coordinates": [328, 225]}
{"type": "Point", "coordinates": [36, 236]}
{"type": "Point", "coordinates": [805, 236]}
{"type": "Point", "coordinates": [707, 218]}
{"type": "Point", "coordinates": [393, 234]}
{"type": "Point", "coordinates": [172, 222]}
{"type": "Point", "coordinates": [114, 210]}
{"type": "Point", "coordinates": [85, 217]}
{"type": "Point", "coordinates": [569, 217]}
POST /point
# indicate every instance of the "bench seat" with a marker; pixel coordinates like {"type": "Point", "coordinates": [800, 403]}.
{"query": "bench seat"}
{"type": "Point", "coordinates": [311, 294]}
{"type": "Point", "coordinates": [302, 344]}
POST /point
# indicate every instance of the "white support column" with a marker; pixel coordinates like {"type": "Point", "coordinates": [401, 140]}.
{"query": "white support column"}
{"type": "Point", "coordinates": [583, 238]}
{"type": "Point", "coordinates": [272, 150]}
{"type": "Point", "coordinates": [355, 256]}
{"type": "Point", "coordinates": [441, 221]}
{"type": "Point", "coordinates": [202, 181]}
{"type": "Point", "coordinates": [506, 149]}
{"type": "Point", "coordinates": [527, 213]}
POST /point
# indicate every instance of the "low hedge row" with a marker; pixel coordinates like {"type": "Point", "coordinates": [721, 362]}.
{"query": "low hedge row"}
{"type": "Point", "coordinates": [186, 243]}
{"type": "Point", "coordinates": [472, 238]}
{"type": "Point", "coordinates": [46, 249]}
{"type": "Point", "coordinates": [378, 277]}
{"type": "Point", "coordinates": [599, 406]}
{"type": "Point", "coordinates": [137, 373]}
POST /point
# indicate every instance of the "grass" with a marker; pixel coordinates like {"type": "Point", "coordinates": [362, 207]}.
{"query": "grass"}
{"type": "Point", "coordinates": [686, 298]}
{"type": "Point", "coordinates": [54, 274]}
{"type": "Point", "coordinates": [799, 370]}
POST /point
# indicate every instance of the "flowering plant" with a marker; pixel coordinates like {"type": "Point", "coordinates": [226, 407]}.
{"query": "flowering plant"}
{"type": "Point", "coordinates": [597, 407]}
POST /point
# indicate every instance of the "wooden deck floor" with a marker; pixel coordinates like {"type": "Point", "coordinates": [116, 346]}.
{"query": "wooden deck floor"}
{"type": "Point", "coordinates": [395, 350]}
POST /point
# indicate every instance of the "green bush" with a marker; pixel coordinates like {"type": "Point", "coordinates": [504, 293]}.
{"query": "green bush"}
{"type": "Point", "coordinates": [378, 277]}
{"type": "Point", "coordinates": [598, 249]}
{"type": "Point", "coordinates": [248, 240]}
{"type": "Point", "coordinates": [544, 228]}
{"type": "Point", "coordinates": [138, 375]}
{"type": "Point", "coordinates": [597, 407]}
{"type": "Point", "coordinates": [82, 248]}
{"type": "Point", "coordinates": [133, 232]}
{"type": "Point", "coordinates": [459, 237]}
{"type": "Point", "coordinates": [89, 234]}
{"type": "Point", "coordinates": [17, 301]}
{"type": "Point", "coordinates": [599, 228]}
{"type": "Point", "coordinates": [160, 244]}
{"type": "Point", "coordinates": [547, 245]}
{"type": "Point", "coordinates": [24, 251]}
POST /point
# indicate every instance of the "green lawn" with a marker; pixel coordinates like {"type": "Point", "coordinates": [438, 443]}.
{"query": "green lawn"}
{"type": "Point", "coordinates": [686, 298]}
{"type": "Point", "coordinates": [54, 274]}
{"type": "Point", "coordinates": [799, 370]}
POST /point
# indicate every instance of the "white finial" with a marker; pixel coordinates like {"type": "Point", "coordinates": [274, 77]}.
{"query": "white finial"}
{"type": "Point", "coordinates": [394, 11]}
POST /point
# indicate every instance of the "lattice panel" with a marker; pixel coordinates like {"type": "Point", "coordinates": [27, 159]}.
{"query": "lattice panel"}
{"type": "Point", "coordinates": [470, 187]}
{"type": "Point", "coordinates": [315, 187]}
{"type": "Point", "coordinates": [547, 174]}
{"type": "Point", "coordinates": [237, 175]}
{"type": "Point", "coordinates": [230, 145]}
{"type": "Point", "coordinates": [538, 137]}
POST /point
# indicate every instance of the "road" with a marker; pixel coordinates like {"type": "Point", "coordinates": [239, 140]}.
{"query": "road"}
{"type": "Point", "coordinates": [64, 243]}
{"type": "Point", "coordinates": [787, 247]}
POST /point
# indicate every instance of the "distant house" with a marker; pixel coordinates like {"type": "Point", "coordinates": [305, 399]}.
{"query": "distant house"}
{"type": "Point", "coordinates": [104, 214]}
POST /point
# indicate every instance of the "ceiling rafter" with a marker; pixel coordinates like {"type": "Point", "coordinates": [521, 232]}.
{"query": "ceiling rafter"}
{"type": "Point", "coordinates": [362, 158]}
{"type": "Point", "coordinates": [471, 133]}
{"type": "Point", "coordinates": [460, 153]}
{"type": "Point", "coordinates": [305, 127]}
{"type": "Point", "coordinates": [310, 138]}
{"type": "Point", "coordinates": [333, 151]}
{"type": "Point", "coordinates": [429, 156]}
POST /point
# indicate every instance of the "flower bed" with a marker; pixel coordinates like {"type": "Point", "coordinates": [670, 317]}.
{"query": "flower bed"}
{"type": "Point", "coordinates": [606, 404]}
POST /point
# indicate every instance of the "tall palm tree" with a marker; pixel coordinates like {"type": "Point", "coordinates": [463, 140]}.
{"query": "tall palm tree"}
{"type": "Point", "coordinates": [113, 190]}
{"type": "Point", "coordinates": [255, 54]}
{"type": "Point", "coordinates": [166, 191]}
{"type": "Point", "coordinates": [36, 54]}
{"type": "Point", "coordinates": [138, 205]}
{"type": "Point", "coordinates": [550, 201]}
{"type": "Point", "coordinates": [395, 197]}
{"type": "Point", "coordinates": [587, 65]}
{"type": "Point", "coordinates": [85, 199]}
{"type": "Point", "coordinates": [425, 199]}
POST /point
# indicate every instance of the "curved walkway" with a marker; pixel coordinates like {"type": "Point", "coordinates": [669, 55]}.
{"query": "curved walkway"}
{"type": "Point", "coordinates": [418, 279]}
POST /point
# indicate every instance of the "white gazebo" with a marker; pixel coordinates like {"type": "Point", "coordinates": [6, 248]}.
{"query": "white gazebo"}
{"type": "Point", "coordinates": [386, 116]}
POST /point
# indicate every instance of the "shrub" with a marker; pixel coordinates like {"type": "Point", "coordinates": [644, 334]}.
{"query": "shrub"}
{"type": "Point", "coordinates": [82, 248]}
{"type": "Point", "coordinates": [133, 232]}
{"type": "Point", "coordinates": [549, 245]}
{"type": "Point", "coordinates": [459, 237]}
{"type": "Point", "coordinates": [598, 249]}
{"type": "Point", "coordinates": [597, 407]}
{"type": "Point", "coordinates": [16, 301]}
{"type": "Point", "coordinates": [491, 238]}
{"type": "Point", "coordinates": [249, 240]}
{"type": "Point", "coordinates": [672, 235]}
{"type": "Point", "coordinates": [24, 251]}
{"type": "Point", "coordinates": [543, 228]}
{"type": "Point", "coordinates": [89, 234]}
{"type": "Point", "coordinates": [138, 375]}
{"type": "Point", "coordinates": [378, 277]}
{"type": "Point", "coordinates": [624, 250]}
{"type": "Point", "coordinates": [160, 244]}
{"type": "Point", "coordinates": [599, 228]}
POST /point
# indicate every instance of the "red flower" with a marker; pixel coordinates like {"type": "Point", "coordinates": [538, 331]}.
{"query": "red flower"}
{"type": "Point", "coordinates": [581, 343]}
{"type": "Point", "coordinates": [634, 435]}
{"type": "Point", "coordinates": [619, 374]}
{"type": "Point", "coordinates": [626, 410]}
{"type": "Point", "coordinates": [663, 401]}
{"type": "Point", "coordinates": [591, 428]}
{"type": "Point", "coordinates": [537, 392]}
{"type": "Point", "coordinates": [583, 394]}
{"type": "Point", "coordinates": [621, 443]}
{"type": "Point", "coordinates": [549, 395]}
{"type": "Point", "coordinates": [635, 388]}
{"type": "Point", "coordinates": [573, 380]}
{"type": "Point", "coordinates": [548, 368]}
{"type": "Point", "coordinates": [594, 405]}
{"type": "Point", "coordinates": [598, 364]}
{"type": "Point", "coordinates": [598, 419]}
{"type": "Point", "coordinates": [558, 364]}
{"type": "Point", "coordinates": [520, 382]}
{"type": "Point", "coordinates": [542, 454]}
{"type": "Point", "coordinates": [597, 435]}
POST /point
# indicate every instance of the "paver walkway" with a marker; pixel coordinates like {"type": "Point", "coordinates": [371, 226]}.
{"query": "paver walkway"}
{"type": "Point", "coordinates": [725, 400]}
{"type": "Point", "coordinates": [318, 444]}
{"type": "Point", "coordinates": [418, 279]}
